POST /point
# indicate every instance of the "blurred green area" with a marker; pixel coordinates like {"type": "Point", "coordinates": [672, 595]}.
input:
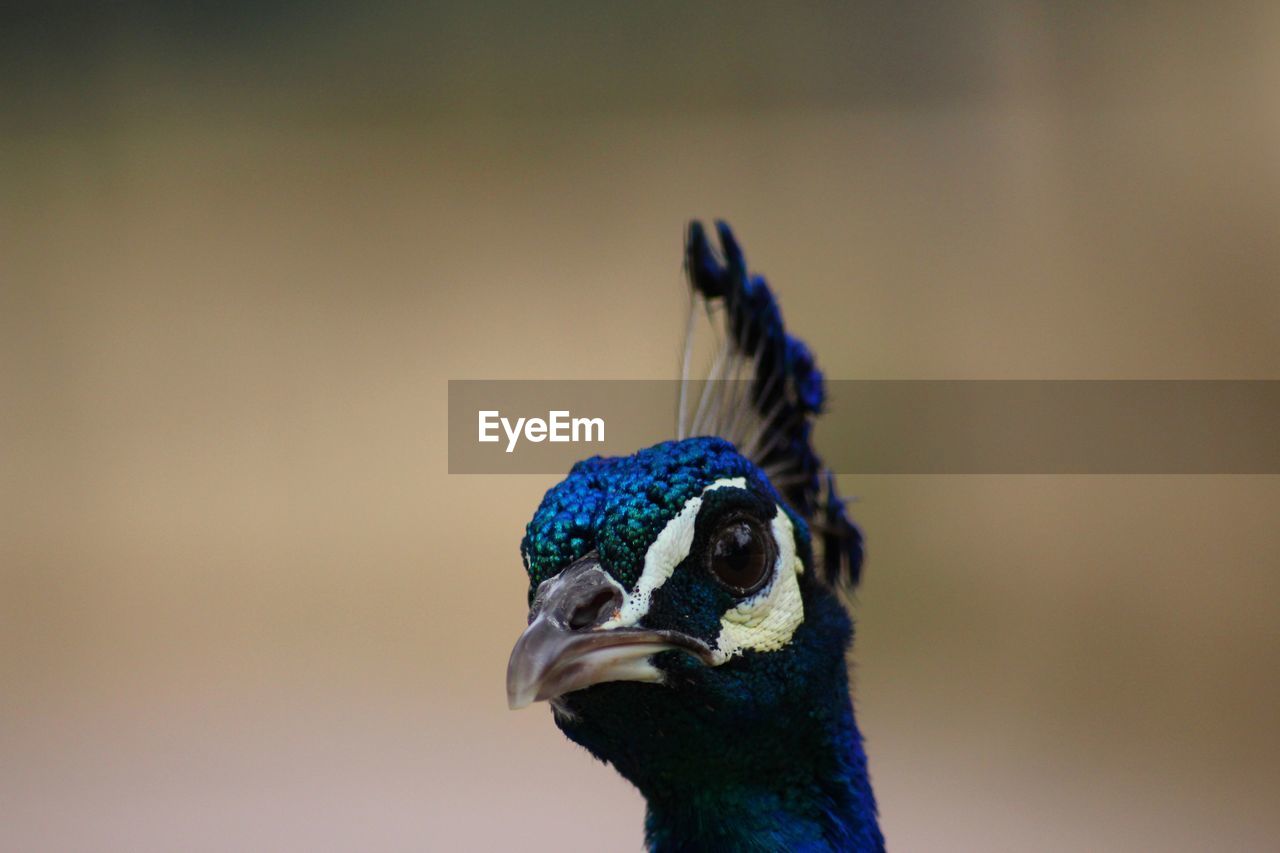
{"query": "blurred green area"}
{"type": "Point", "coordinates": [397, 62]}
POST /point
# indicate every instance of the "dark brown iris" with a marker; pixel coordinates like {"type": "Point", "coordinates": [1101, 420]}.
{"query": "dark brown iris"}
{"type": "Point", "coordinates": [740, 555]}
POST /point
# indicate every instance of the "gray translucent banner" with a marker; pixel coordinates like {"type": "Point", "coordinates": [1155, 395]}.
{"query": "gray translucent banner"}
{"type": "Point", "coordinates": [898, 427]}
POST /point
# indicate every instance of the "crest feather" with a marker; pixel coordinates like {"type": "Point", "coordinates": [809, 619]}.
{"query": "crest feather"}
{"type": "Point", "coordinates": [762, 392]}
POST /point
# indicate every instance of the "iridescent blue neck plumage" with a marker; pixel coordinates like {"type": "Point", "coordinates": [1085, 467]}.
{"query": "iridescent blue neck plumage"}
{"type": "Point", "coordinates": [810, 804]}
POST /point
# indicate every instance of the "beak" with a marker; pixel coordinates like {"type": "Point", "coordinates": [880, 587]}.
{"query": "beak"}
{"type": "Point", "coordinates": [566, 646]}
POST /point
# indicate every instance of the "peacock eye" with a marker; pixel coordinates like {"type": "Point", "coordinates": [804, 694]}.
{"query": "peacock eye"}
{"type": "Point", "coordinates": [740, 555]}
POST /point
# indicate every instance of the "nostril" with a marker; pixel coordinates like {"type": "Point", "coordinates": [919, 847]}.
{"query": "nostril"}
{"type": "Point", "coordinates": [594, 610]}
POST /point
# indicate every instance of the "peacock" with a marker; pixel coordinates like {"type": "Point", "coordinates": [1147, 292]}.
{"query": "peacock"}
{"type": "Point", "coordinates": [688, 620]}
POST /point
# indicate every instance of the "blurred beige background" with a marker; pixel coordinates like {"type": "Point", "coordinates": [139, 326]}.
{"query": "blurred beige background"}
{"type": "Point", "coordinates": [242, 248]}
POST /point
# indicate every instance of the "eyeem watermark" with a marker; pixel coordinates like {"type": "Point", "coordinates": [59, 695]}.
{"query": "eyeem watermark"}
{"type": "Point", "coordinates": [559, 426]}
{"type": "Point", "coordinates": [1043, 427]}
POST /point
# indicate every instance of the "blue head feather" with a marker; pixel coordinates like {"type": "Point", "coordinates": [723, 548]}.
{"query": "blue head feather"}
{"type": "Point", "coordinates": [617, 505]}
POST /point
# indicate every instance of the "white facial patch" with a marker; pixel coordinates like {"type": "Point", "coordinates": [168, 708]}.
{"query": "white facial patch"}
{"type": "Point", "coordinates": [667, 551]}
{"type": "Point", "coordinates": [766, 621]}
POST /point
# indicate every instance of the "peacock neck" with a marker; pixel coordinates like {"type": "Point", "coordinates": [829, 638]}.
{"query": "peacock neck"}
{"type": "Point", "coordinates": [813, 795]}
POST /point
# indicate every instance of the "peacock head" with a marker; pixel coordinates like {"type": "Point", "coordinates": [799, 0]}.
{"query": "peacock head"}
{"type": "Point", "coordinates": [677, 611]}
{"type": "Point", "coordinates": [683, 547]}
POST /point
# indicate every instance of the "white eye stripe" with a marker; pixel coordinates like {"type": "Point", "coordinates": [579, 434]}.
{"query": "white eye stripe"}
{"type": "Point", "coordinates": [766, 621]}
{"type": "Point", "coordinates": [667, 551]}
